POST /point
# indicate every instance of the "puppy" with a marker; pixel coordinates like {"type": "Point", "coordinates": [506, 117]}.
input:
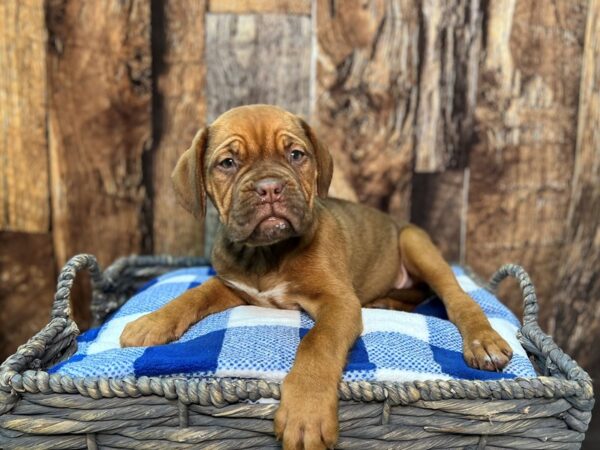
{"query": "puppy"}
{"type": "Point", "coordinates": [283, 244]}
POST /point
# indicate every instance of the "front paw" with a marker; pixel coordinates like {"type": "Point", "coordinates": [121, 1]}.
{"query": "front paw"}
{"type": "Point", "coordinates": [307, 417]}
{"type": "Point", "coordinates": [485, 349]}
{"type": "Point", "coordinates": [151, 329]}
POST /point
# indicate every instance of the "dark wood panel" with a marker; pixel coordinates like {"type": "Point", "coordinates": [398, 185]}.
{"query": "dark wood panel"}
{"type": "Point", "coordinates": [526, 120]}
{"type": "Point", "coordinates": [366, 95]}
{"type": "Point", "coordinates": [179, 110]}
{"type": "Point", "coordinates": [24, 192]}
{"type": "Point", "coordinates": [27, 283]}
{"type": "Point", "coordinates": [439, 207]}
{"type": "Point", "coordinates": [451, 33]}
{"type": "Point", "coordinates": [99, 74]}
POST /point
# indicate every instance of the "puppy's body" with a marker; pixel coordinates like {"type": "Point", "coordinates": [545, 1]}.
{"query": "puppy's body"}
{"type": "Point", "coordinates": [282, 243]}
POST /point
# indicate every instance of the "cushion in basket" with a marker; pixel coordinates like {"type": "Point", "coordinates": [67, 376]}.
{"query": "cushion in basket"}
{"type": "Point", "coordinates": [256, 342]}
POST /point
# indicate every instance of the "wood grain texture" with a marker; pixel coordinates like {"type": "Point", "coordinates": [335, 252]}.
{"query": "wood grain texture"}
{"type": "Point", "coordinates": [179, 111]}
{"type": "Point", "coordinates": [255, 59]}
{"type": "Point", "coordinates": [526, 120]}
{"type": "Point", "coordinates": [27, 284]}
{"type": "Point", "coordinates": [100, 125]}
{"type": "Point", "coordinates": [438, 206]}
{"type": "Point", "coordinates": [260, 6]}
{"type": "Point", "coordinates": [366, 95]}
{"type": "Point", "coordinates": [575, 319]}
{"type": "Point", "coordinates": [451, 33]}
{"type": "Point", "coordinates": [24, 192]}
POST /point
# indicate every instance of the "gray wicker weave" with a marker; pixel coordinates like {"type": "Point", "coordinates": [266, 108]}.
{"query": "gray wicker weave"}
{"type": "Point", "coordinates": [39, 410]}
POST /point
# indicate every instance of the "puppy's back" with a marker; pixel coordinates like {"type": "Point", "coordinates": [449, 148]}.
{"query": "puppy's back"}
{"type": "Point", "coordinates": [371, 237]}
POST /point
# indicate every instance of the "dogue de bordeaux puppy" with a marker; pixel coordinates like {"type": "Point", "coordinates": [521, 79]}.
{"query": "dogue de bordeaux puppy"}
{"type": "Point", "coordinates": [284, 244]}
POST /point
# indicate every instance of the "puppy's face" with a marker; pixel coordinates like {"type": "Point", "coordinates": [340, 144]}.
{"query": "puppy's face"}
{"type": "Point", "coordinates": [262, 168]}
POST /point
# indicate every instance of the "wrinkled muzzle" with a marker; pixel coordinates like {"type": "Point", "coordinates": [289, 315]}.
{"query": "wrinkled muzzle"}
{"type": "Point", "coordinates": [268, 207]}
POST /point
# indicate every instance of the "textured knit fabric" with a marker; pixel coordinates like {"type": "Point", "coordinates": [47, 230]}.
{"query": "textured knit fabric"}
{"type": "Point", "coordinates": [256, 342]}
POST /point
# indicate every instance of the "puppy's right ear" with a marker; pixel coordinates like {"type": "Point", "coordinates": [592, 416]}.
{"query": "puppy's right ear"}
{"type": "Point", "coordinates": [188, 176]}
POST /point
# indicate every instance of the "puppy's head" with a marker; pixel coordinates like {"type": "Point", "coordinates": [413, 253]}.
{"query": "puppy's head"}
{"type": "Point", "coordinates": [262, 167]}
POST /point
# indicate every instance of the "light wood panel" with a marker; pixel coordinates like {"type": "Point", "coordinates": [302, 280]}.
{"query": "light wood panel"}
{"type": "Point", "coordinates": [24, 197]}
{"type": "Point", "coordinates": [260, 6]}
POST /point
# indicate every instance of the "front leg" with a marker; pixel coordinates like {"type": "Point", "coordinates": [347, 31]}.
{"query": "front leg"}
{"type": "Point", "coordinates": [172, 320]}
{"type": "Point", "coordinates": [307, 417]}
{"type": "Point", "coordinates": [483, 347]}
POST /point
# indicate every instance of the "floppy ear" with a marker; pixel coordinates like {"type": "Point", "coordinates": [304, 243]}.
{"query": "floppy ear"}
{"type": "Point", "coordinates": [188, 176]}
{"type": "Point", "coordinates": [324, 161]}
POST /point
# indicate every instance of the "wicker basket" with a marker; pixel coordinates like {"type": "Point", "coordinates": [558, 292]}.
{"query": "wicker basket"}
{"type": "Point", "coordinates": [38, 410]}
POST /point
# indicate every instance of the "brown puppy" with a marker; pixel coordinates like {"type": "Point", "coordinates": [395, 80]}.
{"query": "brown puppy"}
{"type": "Point", "coordinates": [283, 244]}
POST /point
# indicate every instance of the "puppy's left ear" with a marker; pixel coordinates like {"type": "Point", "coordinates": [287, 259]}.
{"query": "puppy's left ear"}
{"type": "Point", "coordinates": [188, 176]}
{"type": "Point", "coordinates": [324, 161]}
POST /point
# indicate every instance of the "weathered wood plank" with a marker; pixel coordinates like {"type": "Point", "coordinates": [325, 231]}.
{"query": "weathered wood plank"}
{"type": "Point", "coordinates": [260, 6]}
{"type": "Point", "coordinates": [576, 316]}
{"type": "Point", "coordinates": [179, 110]}
{"type": "Point", "coordinates": [99, 124]}
{"type": "Point", "coordinates": [256, 59]}
{"type": "Point", "coordinates": [366, 95]}
{"type": "Point", "coordinates": [237, 48]}
{"type": "Point", "coordinates": [24, 192]}
{"type": "Point", "coordinates": [451, 34]}
{"type": "Point", "coordinates": [439, 207]}
{"type": "Point", "coordinates": [27, 283]}
{"type": "Point", "coordinates": [526, 120]}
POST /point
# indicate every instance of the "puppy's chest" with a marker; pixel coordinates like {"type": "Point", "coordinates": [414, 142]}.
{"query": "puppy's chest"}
{"type": "Point", "coordinates": [270, 294]}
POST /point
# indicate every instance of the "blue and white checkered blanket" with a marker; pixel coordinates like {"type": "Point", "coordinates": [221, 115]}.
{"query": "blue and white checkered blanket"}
{"type": "Point", "coordinates": [255, 342]}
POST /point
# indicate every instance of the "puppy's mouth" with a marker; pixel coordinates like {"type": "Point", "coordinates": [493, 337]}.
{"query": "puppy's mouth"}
{"type": "Point", "coordinates": [273, 224]}
{"type": "Point", "coordinates": [266, 223]}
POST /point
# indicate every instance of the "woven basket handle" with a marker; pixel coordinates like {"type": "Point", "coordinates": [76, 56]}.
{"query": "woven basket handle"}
{"type": "Point", "coordinates": [530, 304]}
{"type": "Point", "coordinates": [62, 299]}
{"type": "Point", "coordinates": [534, 340]}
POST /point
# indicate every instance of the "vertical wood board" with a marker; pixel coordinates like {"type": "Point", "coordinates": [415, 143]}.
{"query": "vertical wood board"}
{"type": "Point", "coordinates": [24, 192]}
{"type": "Point", "coordinates": [99, 73]}
{"type": "Point", "coordinates": [179, 111]}
{"type": "Point", "coordinates": [575, 319]}
{"type": "Point", "coordinates": [438, 206]}
{"type": "Point", "coordinates": [450, 32]}
{"type": "Point", "coordinates": [260, 6]}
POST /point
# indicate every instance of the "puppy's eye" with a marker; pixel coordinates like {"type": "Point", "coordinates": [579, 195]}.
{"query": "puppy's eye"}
{"type": "Point", "coordinates": [227, 163]}
{"type": "Point", "coordinates": [297, 155]}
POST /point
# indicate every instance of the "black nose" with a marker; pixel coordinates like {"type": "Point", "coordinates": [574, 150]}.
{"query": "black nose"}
{"type": "Point", "coordinates": [269, 189]}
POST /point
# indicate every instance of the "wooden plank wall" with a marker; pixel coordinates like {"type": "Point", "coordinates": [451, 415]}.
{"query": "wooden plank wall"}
{"type": "Point", "coordinates": [476, 120]}
{"type": "Point", "coordinates": [24, 196]}
{"type": "Point", "coordinates": [179, 109]}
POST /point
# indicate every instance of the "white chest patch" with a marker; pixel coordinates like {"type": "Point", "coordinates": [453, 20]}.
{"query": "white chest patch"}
{"type": "Point", "coordinates": [273, 297]}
